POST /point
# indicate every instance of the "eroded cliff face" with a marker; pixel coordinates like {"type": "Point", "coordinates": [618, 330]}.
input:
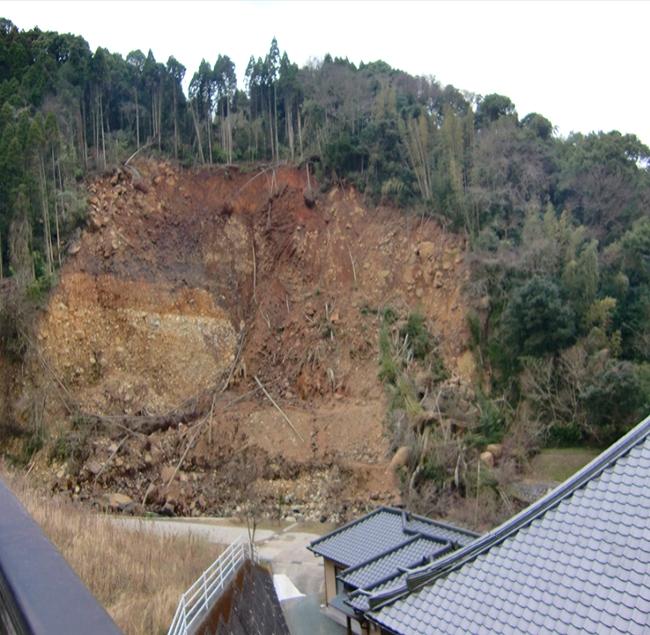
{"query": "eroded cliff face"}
{"type": "Point", "coordinates": [129, 346]}
{"type": "Point", "coordinates": [209, 281]}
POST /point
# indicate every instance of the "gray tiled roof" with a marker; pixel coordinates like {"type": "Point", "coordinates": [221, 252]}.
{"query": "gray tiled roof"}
{"type": "Point", "coordinates": [411, 554]}
{"type": "Point", "coordinates": [358, 600]}
{"type": "Point", "coordinates": [378, 532]}
{"type": "Point", "coordinates": [578, 560]}
{"type": "Point", "coordinates": [440, 531]}
{"type": "Point", "coordinates": [362, 539]}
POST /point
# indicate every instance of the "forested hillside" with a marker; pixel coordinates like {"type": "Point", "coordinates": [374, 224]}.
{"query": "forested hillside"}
{"type": "Point", "coordinates": [558, 229]}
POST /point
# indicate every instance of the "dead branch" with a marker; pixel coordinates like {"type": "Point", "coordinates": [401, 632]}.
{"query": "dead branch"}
{"type": "Point", "coordinates": [190, 410]}
{"type": "Point", "coordinates": [110, 458]}
{"type": "Point", "coordinates": [260, 173]}
{"type": "Point", "coordinates": [354, 270]}
{"type": "Point", "coordinates": [282, 412]}
{"type": "Point", "coordinates": [146, 425]}
{"type": "Point", "coordinates": [420, 464]}
{"type": "Point", "coordinates": [149, 424]}
{"type": "Point", "coordinates": [198, 426]}
{"type": "Point", "coordinates": [67, 400]}
{"type": "Point", "coordinates": [254, 271]}
{"type": "Point", "coordinates": [235, 363]}
{"type": "Point", "coordinates": [140, 149]}
{"type": "Point", "coordinates": [147, 492]}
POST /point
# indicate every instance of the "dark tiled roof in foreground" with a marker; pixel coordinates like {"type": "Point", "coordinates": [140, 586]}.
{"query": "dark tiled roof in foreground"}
{"type": "Point", "coordinates": [411, 554]}
{"type": "Point", "coordinates": [578, 560]}
{"type": "Point", "coordinates": [380, 531]}
{"type": "Point", "coordinates": [358, 600]}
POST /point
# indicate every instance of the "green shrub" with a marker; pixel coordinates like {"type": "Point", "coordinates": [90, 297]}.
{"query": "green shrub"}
{"type": "Point", "coordinates": [613, 401]}
{"type": "Point", "coordinates": [405, 397]}
{"type": "Point", "coordinates": [71, 447]}
{"type": "Point", "coordinates": [37, 291]}
{"type": "Point", "coordinates": [389, 315]}
{"type": "Point", "coordinates": [34, 443]}
{"type": "Point", "coordinates": [564, 435]}
{"type": "Point", "coordinates": [388, 367]}
{"type": "Point", "coordinates": [474, 325]}
{"type": "Point", "coordinates": [367, 310]}
{"type": "Point", "coordinates": [434, 471]}
{"type": "Point", "coordinates": [643, 377]}
{"type": "Point", "coordinates": [420, 340]}
{"type": "Point", "coordinates": [537, 320]}
{"type": "Point", "coordinates": [492, 423]}
{"type": "Point", "coordinates": [439, 371]}
{"type": "Point", "coordinates": [327, 330]}
{"type": "Point", "coordinates": [14, 344]}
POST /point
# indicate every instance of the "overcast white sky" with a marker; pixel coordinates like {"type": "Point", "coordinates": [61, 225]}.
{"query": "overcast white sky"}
{"type": "Point", "coordinates": [581, 64]}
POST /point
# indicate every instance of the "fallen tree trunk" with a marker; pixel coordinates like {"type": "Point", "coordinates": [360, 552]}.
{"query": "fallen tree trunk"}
{"type": "Point", "coordinates": [191, 410]}
{"type": "Point", "coordinates": [146, 424]}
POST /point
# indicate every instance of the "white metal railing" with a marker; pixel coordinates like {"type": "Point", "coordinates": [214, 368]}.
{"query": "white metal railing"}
{"type": "Point", "coordinates": [196, 602]}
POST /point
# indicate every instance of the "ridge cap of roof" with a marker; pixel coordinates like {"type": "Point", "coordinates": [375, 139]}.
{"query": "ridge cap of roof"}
{"type": "Point", "coordinates": [439, 523]}
{"type": "Point", "coordinates": [425, 575]}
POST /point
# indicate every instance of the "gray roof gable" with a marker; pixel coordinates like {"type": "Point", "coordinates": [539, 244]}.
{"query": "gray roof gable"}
{"type": "Point", "coordinates": [361, 539]}
{"type": "Point", "coordinates": [379, 531]}
{"type": "Point", "coordinates": [577, 560]}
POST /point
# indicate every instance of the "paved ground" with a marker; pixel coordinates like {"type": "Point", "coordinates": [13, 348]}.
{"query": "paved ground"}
{"type": "Point", "coordinates": [304, 617]}
{"type": "Point", "coordinates": [285, 548]}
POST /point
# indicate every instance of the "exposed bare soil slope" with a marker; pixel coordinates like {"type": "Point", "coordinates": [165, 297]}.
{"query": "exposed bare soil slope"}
{"type": "Point", "coordinates": [188, 281]}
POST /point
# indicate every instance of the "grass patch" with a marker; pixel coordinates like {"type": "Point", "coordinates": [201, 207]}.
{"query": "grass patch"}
{"type": "Point", "coordinates": [389, 315]}
{"type": "Point", "coordinates": [558, 464]}
{"type": "Point", "coordinates": [492, 424]}
{"type": "Point", "coordinates": [420, 340]}
{"type": "Point", "coordinates": [388, 366]}
{"type": "Point", "coordinates": [404, 397]}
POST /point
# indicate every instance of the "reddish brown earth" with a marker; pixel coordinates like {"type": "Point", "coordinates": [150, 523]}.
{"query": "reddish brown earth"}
{"type": "Point", "coordinates": [185, 278]}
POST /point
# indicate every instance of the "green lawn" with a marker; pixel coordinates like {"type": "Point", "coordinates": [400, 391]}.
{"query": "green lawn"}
{"type": "Point", "coordinates": [557, 464]}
